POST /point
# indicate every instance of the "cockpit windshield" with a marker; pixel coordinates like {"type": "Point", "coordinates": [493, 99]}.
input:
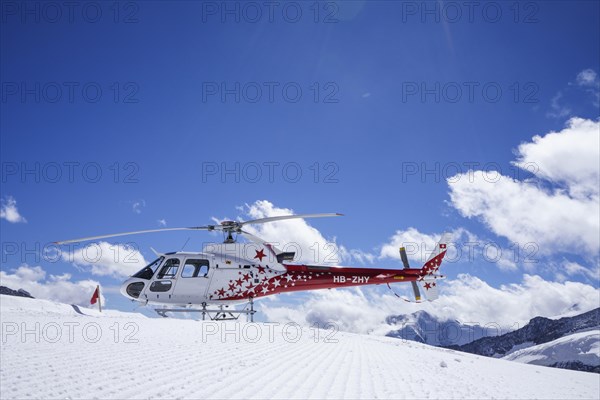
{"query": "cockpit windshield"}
{"type": "Point", "coordinates": [148, 271]}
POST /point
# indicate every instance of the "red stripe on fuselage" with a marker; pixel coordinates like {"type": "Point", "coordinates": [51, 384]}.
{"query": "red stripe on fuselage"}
{"type": "Point", "coordinates": [311, 277]}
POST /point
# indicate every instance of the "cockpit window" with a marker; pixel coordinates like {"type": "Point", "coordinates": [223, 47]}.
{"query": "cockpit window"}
{"type": "Point", "coordinates": [148, 271]}
{"type": "Point", "coordinates": [195, 269]}
{"type": "Point", "coordinates": [169, 269]}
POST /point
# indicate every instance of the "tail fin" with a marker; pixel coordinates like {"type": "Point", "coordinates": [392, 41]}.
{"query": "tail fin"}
{"type": "Point", "coordinates": [430, 288]}
{"type": "Point", "coordinates": [429, 271]}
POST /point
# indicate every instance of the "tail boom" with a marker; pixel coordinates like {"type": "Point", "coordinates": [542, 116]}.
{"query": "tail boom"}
{"type": "Point", "coordinates": [312, 277]}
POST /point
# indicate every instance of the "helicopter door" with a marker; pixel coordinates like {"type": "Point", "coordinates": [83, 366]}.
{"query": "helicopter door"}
{"type": "Point", "coordinates": [161, 288]}
{"type": "Point", "coordinates": [194, 281]}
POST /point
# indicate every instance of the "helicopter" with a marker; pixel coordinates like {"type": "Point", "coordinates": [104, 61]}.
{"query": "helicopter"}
{"type": "Point", "coordinates": [231, 273]}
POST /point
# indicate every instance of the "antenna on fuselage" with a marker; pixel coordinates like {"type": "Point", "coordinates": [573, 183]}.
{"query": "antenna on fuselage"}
{"type": "Point", "coordinates": [185, 244]}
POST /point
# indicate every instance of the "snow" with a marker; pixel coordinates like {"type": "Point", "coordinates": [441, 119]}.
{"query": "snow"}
{"type": "Point", "coordinates": [581, 346]}
{"type": "Point", "coordinates": [517, 347]}
{"type": "Point", "coordinates": [120, 355]}
{"type": "Point", "coordinates": [39, 307]}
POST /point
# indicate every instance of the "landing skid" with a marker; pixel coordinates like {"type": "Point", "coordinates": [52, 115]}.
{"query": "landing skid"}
{"type": "Point", "coordinates": [214, 315]}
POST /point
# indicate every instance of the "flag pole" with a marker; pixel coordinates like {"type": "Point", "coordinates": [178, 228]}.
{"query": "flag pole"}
{"type": "Point", "coordinates": [99, 300]}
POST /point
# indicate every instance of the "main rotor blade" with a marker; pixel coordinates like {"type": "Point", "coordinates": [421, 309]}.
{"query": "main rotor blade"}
{"type": "Point", "coordinates": [233, 226]}
{"type": "Point", "coordinates": [193, 228]}
{"type": "Point", "coordinates": [283, 217]}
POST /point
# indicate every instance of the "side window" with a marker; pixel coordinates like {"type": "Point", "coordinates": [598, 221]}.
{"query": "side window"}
{"type": "Point", "coordinates": [195, 269]}
{"type": "Point", "coordinates": [161, 286]}
{"type": "Point", "coordinates": [169, 269]}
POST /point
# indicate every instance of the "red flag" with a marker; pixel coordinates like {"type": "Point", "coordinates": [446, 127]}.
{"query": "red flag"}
{"type": "Point", "coordinates": [95, 296]}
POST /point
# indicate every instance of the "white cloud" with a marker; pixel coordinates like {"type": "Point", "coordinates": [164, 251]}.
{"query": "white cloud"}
{"type": "Point", "coordinates": [572, 268]}
{"type": "Point", "coordinates": [56, 287]}
{"type": "Point", "coordinates": [569, 157]}
{"type": "Point", "coordinates": [467, 299]}
{"type": "Point", "coordinates": [294, 235]}
{"type": "Point", "coordinates": [30, 273]}
{"type": "Point", "coordinates": [418, 245]}
{"type": "Point", "coordinates": [9, 212]}
{"type": "Point", "coordinates": [470, 298]}
{"type": "Point", "coordinates": [138, 205]}
{"type": "Point", "coordinates": [564, 219]}
{"type": "Point", "coordinates": [106, 259]}
{"type": "Point", "coordinates": [502, 258]}
{"type": "Point", "coordinates": [464, 246]}
{"type": "Point", "coordinates": [588, 77]}
{"type": "Point", "coordinates": [348, 310]}
{"type": "Point", "coordinates": [558, 110]}
{"type": "Point", "coordinates": [589, 80]}
{"type": "Point", "coordinates": [524, 213]}
{"type": "Point", "coordinates": [362, 257]}
{"type": "Point", "coordinates": [162, 222]}
{"type": "Point", "coordinates": [586, 81]}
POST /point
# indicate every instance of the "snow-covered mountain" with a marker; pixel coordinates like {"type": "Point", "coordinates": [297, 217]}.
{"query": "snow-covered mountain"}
{"type": "Point", "coordinates": [422, 327]}
{"type": "Point", "coordinates": [53, 350]}
{"type": "Point", "coordinates": [556, 335]}
{"type": "Point", "coordinates": [12, 292]}
{"type": "Point", "coordinates": [579, 351]}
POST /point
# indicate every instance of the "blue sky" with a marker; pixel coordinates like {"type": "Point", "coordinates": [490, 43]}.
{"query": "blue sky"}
{"type": "Point", "coordinates": [379, 85]}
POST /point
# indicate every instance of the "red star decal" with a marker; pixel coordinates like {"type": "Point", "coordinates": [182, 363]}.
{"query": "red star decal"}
{"type": "Point", "coordinates": [221, 292]}
{"type": "Point", "coordinates": [246, 277]}
{"type": "Point", "coordinates": [239, 282]}
{"type": "Point", "coordinates": [260, 254]}
{"type": "Point", "coordinates": [261, 270]}
{"type": "Point", "coordinates": [428, 285]}
{"type": "Point", "coordinates": [231, 286]}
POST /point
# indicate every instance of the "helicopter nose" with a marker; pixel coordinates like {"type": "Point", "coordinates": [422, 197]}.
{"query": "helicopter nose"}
{"type": "Point", "coordinates": [132, 288]}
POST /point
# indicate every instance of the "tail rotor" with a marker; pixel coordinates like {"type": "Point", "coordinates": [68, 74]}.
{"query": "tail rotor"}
{"type": "Point", "coordinates": [428, 274]}
{"type": "Point", "coordinates": [415, 287]}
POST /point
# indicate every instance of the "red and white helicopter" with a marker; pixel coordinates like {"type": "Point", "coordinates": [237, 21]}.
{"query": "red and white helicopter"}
{"type": "Point", "coordinates": [233, 273]}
